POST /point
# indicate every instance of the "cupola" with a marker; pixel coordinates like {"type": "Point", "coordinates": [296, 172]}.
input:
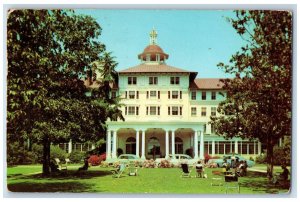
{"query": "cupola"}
{"type": "Point", "coordinates": [153, 54]}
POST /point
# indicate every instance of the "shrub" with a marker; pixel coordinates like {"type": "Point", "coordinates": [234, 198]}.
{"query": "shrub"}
{"type": "Point", "coordinates": [165, 164]}
{"type": "Point", "coordinates": [94, 160]}
{"type": "Point", "coordinates": [149, 163]}
{"type": "Point", "coordinates": [37, 152]}
{"type": "Point", "coordinates": [57, 152]}
{"type": "Point", "coordinates": [262, 158]}
{"type": "Point", "coordinates": [77, 156]}
{"type": "Point", "coordinates": [103, 157]}
{"type": "Point", "coordinates": [251, 158]}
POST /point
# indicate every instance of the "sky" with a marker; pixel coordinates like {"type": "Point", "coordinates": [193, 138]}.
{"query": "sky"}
{"type": "Point", "coordinates": [196, 40]}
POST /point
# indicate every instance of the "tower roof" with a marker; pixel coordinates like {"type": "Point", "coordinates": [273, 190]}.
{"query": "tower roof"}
{"type": "Point", "coordinates": [153, 52]}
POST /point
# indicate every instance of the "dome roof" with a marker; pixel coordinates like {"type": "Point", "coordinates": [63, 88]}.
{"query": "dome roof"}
{"type": "Point", "coordinates": [153, 50]}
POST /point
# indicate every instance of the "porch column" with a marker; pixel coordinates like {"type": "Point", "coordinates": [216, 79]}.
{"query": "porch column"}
{"type": "Point", "coordinates": [114, 150]}
{"type": "Point", "coordinates": [143, 145]}
{"type": "Point", "coordinates": [196, 145]}
{"type": "Point", "coordinates": [224, 146]}
{"type": "Point", "coordinates": [231, 147]}
{"type": "Point", "coordinates": [173, 144]}
{"type": "Point", "coordinates": [236, 147]}
{"type": "Point", "coordinates": [70, 146]}
{"type": "Point", "coordinates": [167, 144]}
{"type": "Point", "coordinates": [108, 139]}
{"type": "Point", "coordinates": [137, 144]}
{"type": "Point", "coordinates": [247, 149]}
{"type": "Point", "coordinates": [259, 147]}
{"type": "Point", "coordinates": [241, 147]}
{"type": "Point", "coordinates": [201, 145]}
{"type": "Point", "coordinates": [213, 148]}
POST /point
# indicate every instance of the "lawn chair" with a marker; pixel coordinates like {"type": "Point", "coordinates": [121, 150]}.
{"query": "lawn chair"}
{"type": "Point", "coordinates": [62, 166]}
{"type": "Point", "coordinates": [133, 170]}
{"type": "Point", "coordinates": [231, 182]}
{"type": "Point", "coordinates": [186, 172]}
{"type": "Point", "coordinates": [117, 173]}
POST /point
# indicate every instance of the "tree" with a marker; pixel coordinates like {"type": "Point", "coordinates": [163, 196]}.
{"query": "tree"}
{"type": "Point", "coordinates": [258, 102]}
{"type": "Point", "coordinates": [49, 54]}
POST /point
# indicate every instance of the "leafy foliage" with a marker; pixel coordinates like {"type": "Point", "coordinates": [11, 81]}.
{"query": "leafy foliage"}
{"type": "Point", "coordinates": [50, 53]}
{"type": "Point", "coordinates": [258, 103]}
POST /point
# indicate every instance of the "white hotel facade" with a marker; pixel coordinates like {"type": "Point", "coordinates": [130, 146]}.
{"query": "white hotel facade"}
{"type": "Point", "coordinates": [167, 110]}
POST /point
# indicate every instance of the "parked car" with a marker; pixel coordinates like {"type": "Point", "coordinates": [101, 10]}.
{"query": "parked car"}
{"type": "Point", "coordinates": [125, 158]}
{"type": "Point", "coordinates": [228, 158]}
{"type": "Point", "coordinates": [179, 159]}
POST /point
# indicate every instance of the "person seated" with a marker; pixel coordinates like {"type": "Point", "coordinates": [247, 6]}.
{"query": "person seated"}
{"type": "Point", "coordinates": [86, 164]}
{"type": "Point", "coordinates": [199, 169]}
{"type": "Point", "coordinates": [284, 176]}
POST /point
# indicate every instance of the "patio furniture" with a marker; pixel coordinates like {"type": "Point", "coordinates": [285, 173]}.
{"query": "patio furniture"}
{"type": "Point", "coordinates": [61, 165]}
{"type": "Point", "coordinates": [186, 172]}
{"type": "Point", "coordinates": [231, 182]}
{"type": "Point", "coordinates": [118, 172]}
{"type": "Point", "coordinates": [133, 170]}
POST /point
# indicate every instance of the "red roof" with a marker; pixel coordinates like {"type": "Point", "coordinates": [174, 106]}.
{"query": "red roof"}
{"type": "Point", "coordinates": [206, 83]}
{"type": "Point", "coordinates": [155, 68]}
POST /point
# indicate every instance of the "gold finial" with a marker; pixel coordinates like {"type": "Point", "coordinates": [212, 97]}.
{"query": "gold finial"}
{"type": "Point", "coordinates": [153, 35]}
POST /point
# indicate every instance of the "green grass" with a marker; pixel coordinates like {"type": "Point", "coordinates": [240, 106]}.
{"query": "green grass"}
{"type": "Point", "coordinates": [149, 180]}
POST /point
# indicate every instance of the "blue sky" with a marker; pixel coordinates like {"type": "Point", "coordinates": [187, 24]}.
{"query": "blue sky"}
{"type": "Point", "coordinates": [196, 40]}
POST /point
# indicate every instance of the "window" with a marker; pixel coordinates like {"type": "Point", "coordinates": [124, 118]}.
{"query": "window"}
{"type": "Point", "coordinates": [137, 94]}
{"type": "Point", "coordinates": [131, 110]}
{"type": "Point", "coordinates": [125, 110]}
{"type": "Point", "coordinates": [213, 130]}
{"type": "Point", "coordinates": [137, 111]}
{"type": "Point", "coordinates": [203, 95]}
{"type": "Point", "coordinates": [174, 94]}
{"type": "Point", "coordinates": [152, 80]}
{"type": "Point", "coordinates": [169, 111]}
{"type": "Point", "coordinates": [158, 110]}
{"type": "Point", "coordinates": [152, 94]}
{"type": "Point", "coordinates": [152, 110]}
{"type": "Point", "coordinates": [213, 111]}
{"type": "Point", "coordinates": [213, 95]}
{"type": "Point", "coordinates": [131, 94]}
{"type": "Point", "coordinates": [174, 110]}
{"type": "Point", "coordinates": [169, 94]}
{"type": "Point", "coordinates": [131, 80]}
{"type": "Point", "coordinates": [158, 94]}
{"type": "Point", "coordinates": [194, 95]}
{"type": "Point", "coordinates": [180, 94]}
{"type": "Point", "coordinates": [174, 80]}
{"type": "Point", "coordinates": [203, 111]}
{"type": "Point", "coordinates": [193, 111]}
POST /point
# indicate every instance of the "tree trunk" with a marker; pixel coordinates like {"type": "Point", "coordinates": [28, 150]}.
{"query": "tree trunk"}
{"type": "Point", "coordinates": [270, 146]}
{"type": "Point", "coordinates": [46, 156]}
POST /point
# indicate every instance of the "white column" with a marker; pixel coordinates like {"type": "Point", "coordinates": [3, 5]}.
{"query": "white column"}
{"type": "Point", "coordinates": [167, 144]}
{"type": "Point", "coordinates": [231, 147]}
{"type": "Point", "coordinates": [108, 154]}
{"type": "Point", "coordinates": [114, 149]}
{"type": "Point", "coordinates": [201, 145]}
{"type": "Point", "coordinates": [70, 146]}
{"type": "Point", "coordinates": [137, 146]}
{"type": "Point", "coordinates": [236, 147]}
{"type": "Point", "coordinates": [224, 147]}
{"type": "Point", "coordinates": [213, 147]}
{"type": "Point", "coordinates": [173, 144]}
{"type": "Point", "coordinates": [143, 145]}
{"type": "Point", "coordinates": [247, 149]}
{"type": "Point", "coordinates": [241, 147]}
{"type": "Point", "coordinates": [259, 147]}
{"type": "Point", "coordinates": [196, 145]}
{"type": "Point", "coordinates": [81, 147]}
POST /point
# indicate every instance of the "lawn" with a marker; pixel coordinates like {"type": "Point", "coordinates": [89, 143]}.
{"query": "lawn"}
{"type": "Point", "coordinates": [149, 180]}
